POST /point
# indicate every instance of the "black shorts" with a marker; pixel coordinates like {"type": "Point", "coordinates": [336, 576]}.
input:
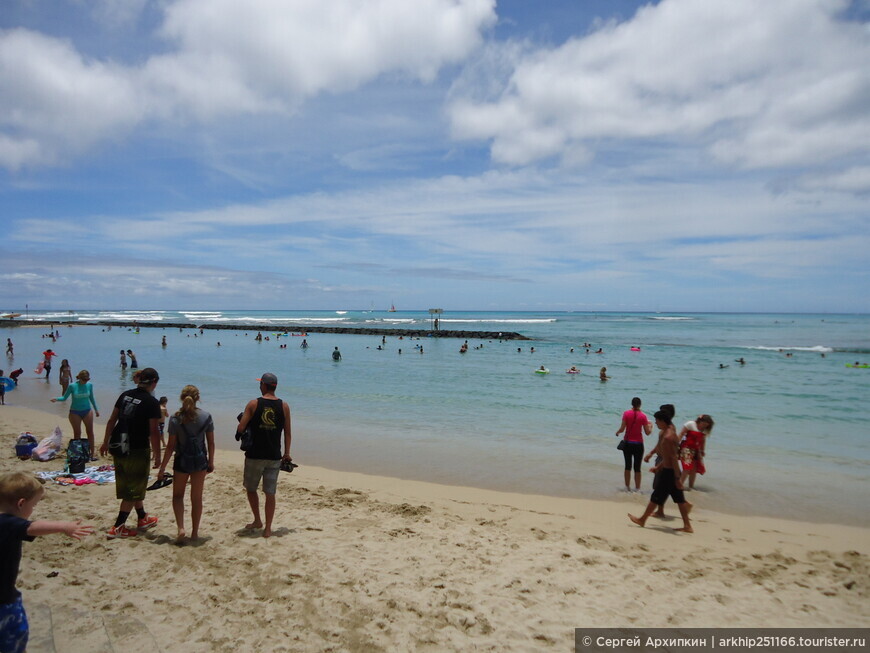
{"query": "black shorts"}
{"type": "Point", "coordinates": [665, 485]}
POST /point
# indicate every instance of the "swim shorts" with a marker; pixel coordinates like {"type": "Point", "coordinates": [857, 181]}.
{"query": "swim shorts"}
{"type": "Point", "coordinates": [255, 469]}
{"type": "Point", "coordinates": [131, 474]}
{"type": "Point", "coordinates": [14, 629]}
{"type": "Point", "coordinates": [665, 485]}
{"type": "Point", "coordinates": [80, 413]}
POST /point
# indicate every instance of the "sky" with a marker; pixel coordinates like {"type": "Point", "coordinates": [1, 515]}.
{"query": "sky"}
{"type": "Point", "coordinates": [578, 155]}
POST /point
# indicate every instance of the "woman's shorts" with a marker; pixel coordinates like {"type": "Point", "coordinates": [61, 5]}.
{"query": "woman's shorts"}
{"type": "Point", "coordinates": [131, 474]}
{"type": "Point", "coordinates": [80, 413]}
{"type": "Point", "coordinates": [189, 464]}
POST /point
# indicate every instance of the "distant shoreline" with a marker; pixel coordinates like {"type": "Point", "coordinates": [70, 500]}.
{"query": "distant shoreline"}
{"type": "Point", "coordinates": [292, 328]}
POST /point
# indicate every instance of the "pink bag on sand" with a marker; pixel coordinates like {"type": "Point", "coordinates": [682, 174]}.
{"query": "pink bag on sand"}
{"type": "Point", "coordinates": [49, 447]}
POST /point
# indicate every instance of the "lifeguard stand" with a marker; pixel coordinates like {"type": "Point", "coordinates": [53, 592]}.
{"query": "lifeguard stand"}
{"type": "Point", "coordinates": [434, 315]}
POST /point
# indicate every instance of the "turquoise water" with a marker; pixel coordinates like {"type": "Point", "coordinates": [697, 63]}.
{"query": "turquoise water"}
{"type": "Point", "coordinates": [790, 430]}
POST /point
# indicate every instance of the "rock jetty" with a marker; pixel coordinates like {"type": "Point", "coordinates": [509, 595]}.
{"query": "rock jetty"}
{"type": "Point", "coordinates": [286, 328]}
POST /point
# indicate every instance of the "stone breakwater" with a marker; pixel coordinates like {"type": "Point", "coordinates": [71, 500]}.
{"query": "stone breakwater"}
{"type": "Point", "coordinates": [282, 328]}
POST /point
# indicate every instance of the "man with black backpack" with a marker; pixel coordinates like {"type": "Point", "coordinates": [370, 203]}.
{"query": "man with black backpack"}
{"type": "Point", "coordinates": [266, 418]}
{"type": "Point", "coordinates": [131, 432]}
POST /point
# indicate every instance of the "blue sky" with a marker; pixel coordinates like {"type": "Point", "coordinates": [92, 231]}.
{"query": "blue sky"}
{"type": "Point", "coordinates": [470, 154]}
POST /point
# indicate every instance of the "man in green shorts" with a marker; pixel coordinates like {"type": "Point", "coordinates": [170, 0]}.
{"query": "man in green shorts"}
{"type": "Point", "coordinates": [131, 432]}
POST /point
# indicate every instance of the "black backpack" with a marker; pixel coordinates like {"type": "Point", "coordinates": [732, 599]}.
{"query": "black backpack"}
{"type": "Point", "coordinates": [78, 454]}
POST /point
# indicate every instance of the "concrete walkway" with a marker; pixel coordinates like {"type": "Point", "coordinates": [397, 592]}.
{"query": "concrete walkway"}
{"type": "Point", "coordinates": [78, 630]}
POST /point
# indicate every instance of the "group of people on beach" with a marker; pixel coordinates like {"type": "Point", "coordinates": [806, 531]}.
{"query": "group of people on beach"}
{"type": "Point", "coordinates": [679, 457]}
{"type": "Point", "coordinates": [133, 439]}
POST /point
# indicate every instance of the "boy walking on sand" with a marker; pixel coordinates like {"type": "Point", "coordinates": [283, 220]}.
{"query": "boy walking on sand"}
{"type": "Point", "coordinates": [19, 494]}
{"type": "Point", "coordinates": [667, 480]}
{"type": "Point", "coordinates": [136, 416]}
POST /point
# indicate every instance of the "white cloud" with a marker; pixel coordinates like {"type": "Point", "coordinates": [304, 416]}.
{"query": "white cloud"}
{"type": "Point", "coordinates": [53, 101]}
{"type": "Point", "coordinates": [115, 13]}
{"type": "Point", "coordinates": [285, 52]}
{"type": "Point", "coordinates": [852, 180]}
{"type": "Point", "coordinates": [224, 58]}
{"type": "Point", "coordinates": [509, 223]}
{"type": "Point", "coordinates": [764, 84]}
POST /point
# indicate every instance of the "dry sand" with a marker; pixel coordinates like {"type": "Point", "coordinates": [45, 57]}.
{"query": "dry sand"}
{"type": "Point", "coordinates": [365, 563]}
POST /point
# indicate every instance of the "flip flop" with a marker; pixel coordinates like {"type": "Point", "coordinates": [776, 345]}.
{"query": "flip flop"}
{"type": "Point", "coordinates": [156, 485]}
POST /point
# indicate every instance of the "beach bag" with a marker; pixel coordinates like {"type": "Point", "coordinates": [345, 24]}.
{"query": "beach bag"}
{"type": "Point", "coordinates": [191, 457]}
{"type": "Point", "coordinates": [78, 454]}
{"type": "Point", "coordinates": [621, 445]}
{"type": "Point", "coordinates": [24, 445]}
{"type": "Point", "coordinates": [49, 447]}
{"type": "Point", "coordinates": [245, 438]}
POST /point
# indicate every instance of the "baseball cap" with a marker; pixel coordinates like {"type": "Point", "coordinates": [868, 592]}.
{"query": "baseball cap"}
{"type": "Point", "coordinates": [269, 379]}
{"type": "Point", "coordinates": [148, 375]}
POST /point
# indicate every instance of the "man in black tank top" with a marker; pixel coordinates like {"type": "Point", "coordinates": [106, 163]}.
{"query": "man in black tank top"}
{"type": "Point", "coordinates": [267, 417]}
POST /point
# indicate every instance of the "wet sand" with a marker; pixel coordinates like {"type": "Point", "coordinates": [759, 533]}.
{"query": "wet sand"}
{"type": "Point", "coordinates": [368, 563]}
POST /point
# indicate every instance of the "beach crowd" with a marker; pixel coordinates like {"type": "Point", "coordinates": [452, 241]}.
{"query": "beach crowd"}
{"type": "Point", "coordinates": [134, 437]}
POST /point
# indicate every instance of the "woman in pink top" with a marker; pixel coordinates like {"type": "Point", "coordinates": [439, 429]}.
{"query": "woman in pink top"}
{"type": "Point", "coordinates": [634, 425]}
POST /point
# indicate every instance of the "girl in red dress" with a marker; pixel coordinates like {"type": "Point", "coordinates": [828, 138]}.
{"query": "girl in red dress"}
{"type": "Point", "coordinates": [692, 445]}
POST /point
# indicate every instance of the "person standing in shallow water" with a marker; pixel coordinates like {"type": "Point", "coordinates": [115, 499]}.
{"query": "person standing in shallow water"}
{"type": "Point", "coordinates": [667, 482]}
{"type": "Point", "coordinates": [693, 439]}
{"type": "Point", "coordinates": [64, 375]}
{"type": "Point", "coordinates": [47, 354]}
{"type": "Point", "coordinates": [634, 424]}
{"type": "Point", "coordinates": [266, 417]}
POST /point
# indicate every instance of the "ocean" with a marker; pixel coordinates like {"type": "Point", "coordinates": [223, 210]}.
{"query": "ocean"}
{"type": "Point", "coordinates": [790, 431]}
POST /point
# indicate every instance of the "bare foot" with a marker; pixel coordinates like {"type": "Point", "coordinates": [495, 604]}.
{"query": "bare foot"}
{"type": "Point", "coordinates": [254, 525]}
{"type": "Point", "coordinates": [685, 529]}
{"type": "Point", "coordinates": [181, 537]}
{"type": "Point", "coordinates": [637, 520]}
{"type": "Point", "coordinates": [267, 532]}
{"type": "Point", "coordinates": [660, 515]}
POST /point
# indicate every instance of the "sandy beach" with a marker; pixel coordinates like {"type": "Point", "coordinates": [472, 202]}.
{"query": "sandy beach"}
{"type": "Point", "coordinates": [367, 563]}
